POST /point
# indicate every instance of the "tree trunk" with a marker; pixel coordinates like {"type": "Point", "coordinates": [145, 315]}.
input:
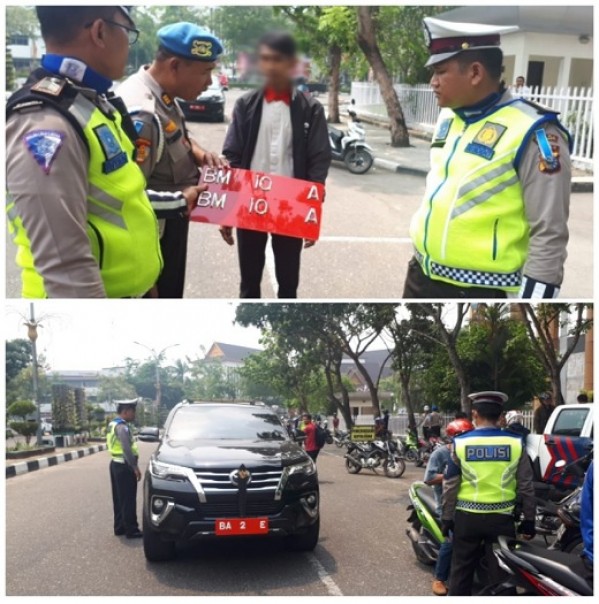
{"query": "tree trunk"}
{"type": "Point", "coordinates": [407, 398]}
{"type": "Point", "coordinates": [334, 383]}
{"type": "Point", "coordinates": [334, 83]}
{"type": "Point", "coordinates": [369, 46]}
{"type": "Point", "coordinates": [372, 387]}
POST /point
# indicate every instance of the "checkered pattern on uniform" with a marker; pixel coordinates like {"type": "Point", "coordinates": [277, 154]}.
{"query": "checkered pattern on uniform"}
{"type": "Point", "coordinates": [484, 507]}
{"type": "Point", "coordinates": [480, 278]}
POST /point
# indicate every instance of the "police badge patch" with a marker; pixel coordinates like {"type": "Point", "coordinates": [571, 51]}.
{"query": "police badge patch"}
{"type": "Point", "coordinates": [442, 132]}
{"type": "Point", "coordinates": [486, 140]}
{"type": "Point", "coordinates": [115, 157]}
{"type": "Point", "coordinates": [44, 146]}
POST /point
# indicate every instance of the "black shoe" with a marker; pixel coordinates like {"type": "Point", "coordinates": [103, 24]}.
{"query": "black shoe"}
{"type": "Point", "coordinates": [119, 532]}
{"type": "Point", "coordinates": [135, 535]}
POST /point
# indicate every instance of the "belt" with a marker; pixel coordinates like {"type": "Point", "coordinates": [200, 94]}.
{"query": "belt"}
{"type": "Point", "coordinates": [475, 506]}
{"type": "Point", "coordinates": [470, 277]}
{"type": "Point", "coordinates": [118, 460]}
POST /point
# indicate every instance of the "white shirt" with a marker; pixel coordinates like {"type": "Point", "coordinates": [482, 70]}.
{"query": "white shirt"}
{"type": "Point", "coordinates": [274, 146]}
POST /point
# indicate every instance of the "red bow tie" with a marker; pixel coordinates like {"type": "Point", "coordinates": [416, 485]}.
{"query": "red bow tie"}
{"type": "Point", "coordinates": [272, 95]}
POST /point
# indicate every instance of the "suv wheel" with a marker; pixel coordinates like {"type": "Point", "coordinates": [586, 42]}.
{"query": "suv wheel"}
{"type": "Point", "coordinates": [305, 542]}
{"type": "Point", "coordinates": [155, 549]}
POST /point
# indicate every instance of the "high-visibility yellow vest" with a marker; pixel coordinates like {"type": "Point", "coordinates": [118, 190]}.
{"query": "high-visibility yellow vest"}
{"type": "Point", "coordinates": [471, 229]}
{"type": "Point", "coordinates": [122, 226]}
{"type": "Point", "coordinates": [489, 461]}
{"type": "Point", "coordinates": [113, 442]}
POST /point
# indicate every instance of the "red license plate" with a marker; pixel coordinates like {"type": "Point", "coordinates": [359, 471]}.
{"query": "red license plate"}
{"type": "Point", "coordinates": [197, 107]}
{"type": "Point", "coordinates": [241, 526]}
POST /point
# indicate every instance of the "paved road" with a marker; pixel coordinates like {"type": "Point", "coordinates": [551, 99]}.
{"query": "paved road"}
{"type": "Point", "coordinates": [364, 247]}
{"type": "Point", "coordinates": [59, 542]}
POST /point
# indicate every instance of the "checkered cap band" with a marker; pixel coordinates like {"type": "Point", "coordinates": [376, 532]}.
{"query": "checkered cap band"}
{"type": "Point", "coordinates": [476, 278]}
{"type": "Point", "coordinates": [474, 506]}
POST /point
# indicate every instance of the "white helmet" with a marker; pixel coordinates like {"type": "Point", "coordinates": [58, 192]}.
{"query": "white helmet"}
{"type": "Point", "coordinates": [427, 408]}
{"type": "Point", "coordinates": [514, 417]}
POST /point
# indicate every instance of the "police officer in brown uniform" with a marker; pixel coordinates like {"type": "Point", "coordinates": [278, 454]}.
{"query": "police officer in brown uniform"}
{"type": "Point", "coordinates": [166, 153]}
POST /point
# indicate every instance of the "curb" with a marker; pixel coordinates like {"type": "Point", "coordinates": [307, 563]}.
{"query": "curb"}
{"type": "Point", "coordinates": [579, 184]}
{"type": "Point", "coordinates": [45, 462]}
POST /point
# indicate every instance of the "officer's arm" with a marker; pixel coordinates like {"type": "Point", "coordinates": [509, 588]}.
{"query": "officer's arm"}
{"type": "Point", "coordinates": [451, 486]}
{"type": "Point", "coordinates": [122, 433]}
{"type": "Point", "coordinates": [546, 191]}
{"type": "Point", "coordinates": [46, 172]}
{"type": "Point", "coordinates": [526, 490]}
{"type": "Point", "coordinates": [149, 149]}
{"type": "Point", "coordinates": [318, 147]}
{"type": "Point", "coordinates": [234, 140]}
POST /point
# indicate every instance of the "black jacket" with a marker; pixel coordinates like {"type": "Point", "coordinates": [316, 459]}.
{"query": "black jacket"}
{"type": "Point", "coordinates": [311, 147]}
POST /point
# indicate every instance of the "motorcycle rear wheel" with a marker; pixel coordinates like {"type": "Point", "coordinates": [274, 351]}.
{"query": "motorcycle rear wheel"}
{"type": "Point", "coordinates": [411, 455]}
{"type": "Point", "coordinates": [358, 161]}
{"type": "Point", "coordinates": [352, 467]}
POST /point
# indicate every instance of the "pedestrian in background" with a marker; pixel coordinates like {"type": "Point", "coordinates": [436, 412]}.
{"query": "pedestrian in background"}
{"type": "Point", "coordinates": [167, 154]}
{"type": "Point", "coordinates": [310, 444]}
{"type": "Point", "coordinates": [543, 412]}
{"type": "Point", "coordinates": [276, 130]}
{"type": "Point", "coordinates": [124, 470]}
{"type": "Point", "coordinates": [494, 219]}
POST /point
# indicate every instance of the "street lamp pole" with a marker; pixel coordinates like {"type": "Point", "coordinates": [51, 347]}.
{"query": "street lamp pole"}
{"type": "Point", "coordinates": [32, 326]}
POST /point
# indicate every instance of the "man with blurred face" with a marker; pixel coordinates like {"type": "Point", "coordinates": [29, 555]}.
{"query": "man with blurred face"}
{"type": "Point", "coordinates": [166, 153]}
{"type": "Point", "coordinates": [494, 219]}
{"type": "Point", "coordinates": [77, 206]}
{"type": "Point", "coordinates": [276, 130]}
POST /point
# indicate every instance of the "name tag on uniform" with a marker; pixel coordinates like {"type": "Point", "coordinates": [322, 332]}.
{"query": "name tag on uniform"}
{"type": "Point", "coordinates": [488, 453]}
{"type": "Point", "coordinates": [115, 156]}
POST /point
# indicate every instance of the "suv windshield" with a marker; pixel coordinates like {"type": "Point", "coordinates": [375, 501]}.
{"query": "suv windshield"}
{"type": "Point", "coordinates": [199, 422]}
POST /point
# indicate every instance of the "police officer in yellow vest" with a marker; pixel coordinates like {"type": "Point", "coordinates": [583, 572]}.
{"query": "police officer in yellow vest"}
{"type": "Point", "coordinates": [488, 471]}
{"type": "Point", "coordinates": [493, 221]}
{"type": "Point", "coordinates": [77, 206]}
{"type": "Point", "coordinates": [168, 156]}
{"type": "Point", "coordinates": [124, 471]}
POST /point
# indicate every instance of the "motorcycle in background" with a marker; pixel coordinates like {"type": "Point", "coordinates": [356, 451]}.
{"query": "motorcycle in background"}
{"type": "Point", "coordinates": [341, 439]}
{"type": "Point", "coordinates": [372, 455]}
{"type": "Point", "coordinates": [350, 147]}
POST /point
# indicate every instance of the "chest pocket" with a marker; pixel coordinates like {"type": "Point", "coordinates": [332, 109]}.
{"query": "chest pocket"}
{"type": "Point", "coordinates": [179, 157]}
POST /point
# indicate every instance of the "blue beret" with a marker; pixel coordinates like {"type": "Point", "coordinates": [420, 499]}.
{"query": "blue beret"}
{"type": "Point", "coordinates": [190, 42]}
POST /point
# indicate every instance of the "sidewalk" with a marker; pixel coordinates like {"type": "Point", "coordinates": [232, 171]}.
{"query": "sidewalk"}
{"type": "Point", "coordinates": [415, 159]}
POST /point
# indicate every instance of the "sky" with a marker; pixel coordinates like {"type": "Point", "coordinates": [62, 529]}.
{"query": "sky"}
{"type": "Point", "coordinates": [91, 335]}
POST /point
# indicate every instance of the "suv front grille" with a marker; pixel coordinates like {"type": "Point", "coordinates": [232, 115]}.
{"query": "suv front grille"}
{"type": "Point", "coordinates": [230, 509]}
{"type": "Point", "coordinates": [219, 482]}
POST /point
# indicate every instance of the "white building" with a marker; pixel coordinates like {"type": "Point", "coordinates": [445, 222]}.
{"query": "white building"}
{"type": "Point", "coordinates": [553, 45]}
{"type": "Point", "coordinates": [26, 52]}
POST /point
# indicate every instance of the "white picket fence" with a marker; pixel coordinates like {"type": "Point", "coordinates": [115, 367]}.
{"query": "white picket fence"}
{"type": "Point", "coordinates": [421, 111]}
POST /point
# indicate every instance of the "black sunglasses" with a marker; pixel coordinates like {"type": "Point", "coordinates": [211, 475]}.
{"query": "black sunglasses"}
{"type": "Point", "coordinates": [132, 32]}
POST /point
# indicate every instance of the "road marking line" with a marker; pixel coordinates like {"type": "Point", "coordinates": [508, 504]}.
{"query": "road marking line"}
{"type": "Point", "coordinates": [325, 578]}
{"type": "Point", "coordinates": [350, 239]}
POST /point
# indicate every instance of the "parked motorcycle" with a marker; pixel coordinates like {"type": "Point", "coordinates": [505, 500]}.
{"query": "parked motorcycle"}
{"type": "Point", "coordinates": [372, 455]}
{"type": "Point", "coordinates": [424, 531]}
{"type": "Point", "coordinates": [536, 571]}
{"type": "Point", "coordinates": [350, 147]}
{"type": "Point", "coordinates": [341, 439]}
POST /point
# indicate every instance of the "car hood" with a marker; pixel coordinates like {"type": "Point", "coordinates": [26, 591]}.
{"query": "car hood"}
{"type": "Point", "coordinates": [223, 454]}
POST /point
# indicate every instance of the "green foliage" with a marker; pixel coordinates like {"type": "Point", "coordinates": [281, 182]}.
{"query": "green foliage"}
{"type": "Point", "coordinates": [64, 411]}
{"type": "Point", "coordinates": [210, 380]}
{"type": "Point", "coordinates": [116, 387]}
{"type": "Point", "coordinates": [10, 71]}
{"type": "Point", "coordinates": [21, 409]}
{"type": "Point", "coordinates": [18, 356]}
{"type": "Point", "coordinates": [21, 20]}
{"type": "Point", "coordinates": [26, 429]}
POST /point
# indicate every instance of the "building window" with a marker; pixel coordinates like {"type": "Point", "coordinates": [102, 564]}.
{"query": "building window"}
{"type": "Point", "coordinates": [18, 40]}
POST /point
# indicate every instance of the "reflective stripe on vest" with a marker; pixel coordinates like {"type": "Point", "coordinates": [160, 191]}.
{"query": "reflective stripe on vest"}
{"type": "Point", "coordinates": [489, 465]}
{"type": "Point", "coordinates": [113, 443]}
{"type": "Point", "coordinates": [471, 229]}
{"type": "Point", "coordinates": [122, 226]}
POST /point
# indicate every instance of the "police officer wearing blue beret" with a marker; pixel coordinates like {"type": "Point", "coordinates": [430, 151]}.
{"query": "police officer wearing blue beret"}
{"type": "Point", "coordinates": [166, 153]}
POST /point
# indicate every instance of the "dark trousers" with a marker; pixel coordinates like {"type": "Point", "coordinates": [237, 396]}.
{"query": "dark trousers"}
{"type": "Point", "coordinates": [418, 285]}
{"type": "Point", "coordinates": [124, 498]}
{"type": "Point", "coordinates": [434, 431]}
{"type": "Point", "coordinates": [472, 539]}
{"type": "Point", "coordinates": [251, 248]}
{"type": "Point", "coordinates": [313, 454]}
{"type": "Point", "coordinates": [173, 244]}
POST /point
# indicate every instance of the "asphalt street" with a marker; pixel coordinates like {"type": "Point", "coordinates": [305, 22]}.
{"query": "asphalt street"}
{"type": "Point", "coordinates": [364, 247]}
{"type": "Point", "coordinates": [59, 542]}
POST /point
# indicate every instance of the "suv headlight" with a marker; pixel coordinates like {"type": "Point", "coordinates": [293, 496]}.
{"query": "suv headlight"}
{"type": "Point", "coordinates": [308, 468]}
{"type": "Point", "coordinates": [166, 471]}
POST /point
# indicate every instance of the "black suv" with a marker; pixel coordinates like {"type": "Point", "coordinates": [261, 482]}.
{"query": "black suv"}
{"type": "Point", "coordinates": [228, 469]}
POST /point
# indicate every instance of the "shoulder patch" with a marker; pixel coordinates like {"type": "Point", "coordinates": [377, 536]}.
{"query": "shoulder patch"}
{"type": "Point", "coordinates": [115, 156]}
{"type": "Point", "coordinates": [44, 146]}
{"type": "Point", "coordinates": [549, 152]}
{"type": "Point", "coordinates": [139, 125]}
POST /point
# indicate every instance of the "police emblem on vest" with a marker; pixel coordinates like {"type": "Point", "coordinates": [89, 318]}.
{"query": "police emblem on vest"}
{"type": "Point", "coordinates": [115, 156]}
